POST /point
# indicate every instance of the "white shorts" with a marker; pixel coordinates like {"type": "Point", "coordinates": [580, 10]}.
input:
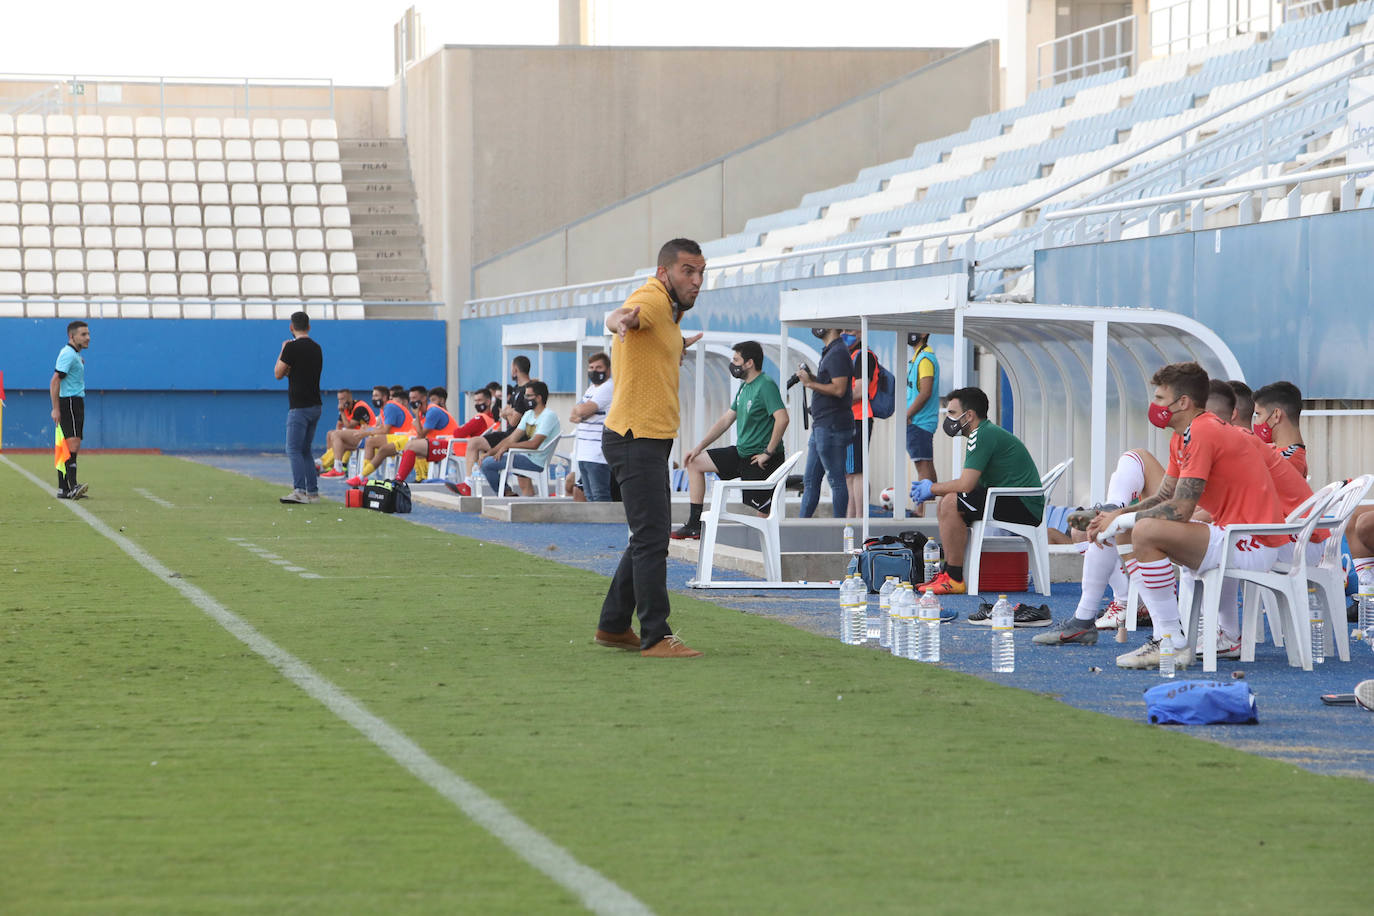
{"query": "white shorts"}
{"type": "Point", "coordinates": [1246, 553]}
{"type": "Point", "coordinates": [1314, 553]}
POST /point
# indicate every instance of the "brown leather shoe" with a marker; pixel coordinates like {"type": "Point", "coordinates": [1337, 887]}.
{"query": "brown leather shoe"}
{"type": "Point", "coordinates": [670, 647]}
{"type": "Point", "coordinates": [627, 640]}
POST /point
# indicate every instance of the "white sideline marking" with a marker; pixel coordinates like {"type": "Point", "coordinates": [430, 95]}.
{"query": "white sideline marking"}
{"type": "Point", "coordinates": [272, 558]}
{"type": "Point", "coordinates": [150, 496]}
{"type": "Point", "coordinates": [597, 892]}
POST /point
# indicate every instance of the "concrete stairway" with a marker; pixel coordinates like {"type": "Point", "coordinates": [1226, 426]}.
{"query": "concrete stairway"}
{"type": "Point", "coordinates": [386, 224]}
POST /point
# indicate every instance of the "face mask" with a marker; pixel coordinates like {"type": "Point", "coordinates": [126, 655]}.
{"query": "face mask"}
{"type": "Point", "coordinates": [515, 378]}
{"type": "Point", "coordinates": [1161, 415]}
{"type": "Point", "coordinates": [596, 376]}
{"type": "Point", "coordinates": [952, 426]}
{"type": "Point", "coordinates": [818, 333]}
{"type": "Point", "coordinates": [737, 370]}
{"type": "Point", "coordinates": [1263, 431]}
{"type": "Point", "coordinates": [533, 404]}
{"type": "Point", "coordinates": [849, 339]}
{"type": "Point", "coordinates": [481, 408]}
{"type": "Point", "coordinates": [378, 402]}
{"type": "Point", "coordinates": [416, 405]}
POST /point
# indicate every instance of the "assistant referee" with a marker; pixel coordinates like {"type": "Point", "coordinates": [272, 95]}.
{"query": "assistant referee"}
{"type": "Point", "coordinates": [68, 392]}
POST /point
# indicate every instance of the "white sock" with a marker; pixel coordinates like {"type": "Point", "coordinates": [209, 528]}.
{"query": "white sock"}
{"type": "Point", "coordinates": [1362, 564]}
{"type": "Point", "coordinates": [1127, 481]}
{"type": "Point", "coordinates": [1157, 581]}
{"type": "Point", "coordinates": [1098, 562]}
{"type": "Point", "coordinates": [1119, 583]}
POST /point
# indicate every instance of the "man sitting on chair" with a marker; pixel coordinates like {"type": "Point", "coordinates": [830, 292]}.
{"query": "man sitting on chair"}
{"type": "Point", "coordinates": [440, 432]}
{"type": "Point", "coordinates": [534, 438]}
{"type": "Point", "coordinates": [760, 419]}
{"type": "Point", "coordinates": [1212, 466]}
{"type": "Point", "coordinates": [398, 425]}
{"type": "Point", "coordinates": [993, 457]}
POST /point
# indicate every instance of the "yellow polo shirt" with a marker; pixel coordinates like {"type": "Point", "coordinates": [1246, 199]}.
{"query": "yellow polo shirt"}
{"type": "Point", "coordinates": [646, 365]}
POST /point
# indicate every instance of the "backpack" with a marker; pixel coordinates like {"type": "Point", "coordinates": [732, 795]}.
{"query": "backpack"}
{"type": "Point", "coordinates": [885, 399]}
{"type": "Point", "coordinates": [387, 496]}
{"type": "Point", "coordinates": [890, 555]}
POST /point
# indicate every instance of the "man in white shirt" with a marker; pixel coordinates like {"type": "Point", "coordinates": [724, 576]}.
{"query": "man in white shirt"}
{"type": "Point", "coordinates": [534, 438]}
{"type": "Point", "coordinates": [593, 473]}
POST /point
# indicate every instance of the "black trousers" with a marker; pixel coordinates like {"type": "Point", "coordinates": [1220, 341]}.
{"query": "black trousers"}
{"type": "Point", "coordinates": [640, 583]}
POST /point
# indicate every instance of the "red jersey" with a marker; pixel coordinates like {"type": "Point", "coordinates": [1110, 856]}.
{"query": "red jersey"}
{"type": "Point", "coordinates": [1296, 455]}
{"type": "Point", "coordinates": [1239, 489]}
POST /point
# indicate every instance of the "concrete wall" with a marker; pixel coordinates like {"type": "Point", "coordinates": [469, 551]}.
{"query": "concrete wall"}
{"type": "Point", "coordinates": [772, 174]}
{"type": "Point", "coordinates": [507, 143]}
{"type": "Point", "coordinates": [360, 110]}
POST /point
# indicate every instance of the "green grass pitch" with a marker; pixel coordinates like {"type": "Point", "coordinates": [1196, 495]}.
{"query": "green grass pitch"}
{"type": "Point", "coordinates": [150, 762]}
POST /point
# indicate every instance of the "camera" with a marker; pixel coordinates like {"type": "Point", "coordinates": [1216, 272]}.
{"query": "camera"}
{"type": "Point", "coordinates": [794, 379]}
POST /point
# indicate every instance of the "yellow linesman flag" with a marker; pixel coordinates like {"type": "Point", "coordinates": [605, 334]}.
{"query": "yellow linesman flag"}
{"type": "Point", "coordinates": [60, 452]}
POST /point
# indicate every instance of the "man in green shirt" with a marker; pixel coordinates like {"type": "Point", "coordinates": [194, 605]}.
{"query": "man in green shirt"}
{"type": "Point", "coordinates": [993, 457]}
{"type": "Point", "coordinates": [760, 419]}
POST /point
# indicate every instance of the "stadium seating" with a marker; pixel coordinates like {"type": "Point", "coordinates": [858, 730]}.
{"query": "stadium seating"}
{"type": "Point", "coordinates": [1007, 159]}
{"type": "Point", "coordinates": [147, 211]}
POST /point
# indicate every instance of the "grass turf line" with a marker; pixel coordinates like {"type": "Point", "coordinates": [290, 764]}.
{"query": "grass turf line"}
{"type": "Point", "coordinates": [741, 781]}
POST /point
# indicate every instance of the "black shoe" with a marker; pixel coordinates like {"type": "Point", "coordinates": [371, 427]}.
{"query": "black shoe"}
{"type": "Point", "coordinates": [62, 494]}
{"type": "Point", "coordinates": [983, 616]}
{"type": "Point", "coordinates": [688, 532]}
{"type": "Point", "coordinates": [80, 491]}
{"type": "Point", "coordinates": [1027, 616]}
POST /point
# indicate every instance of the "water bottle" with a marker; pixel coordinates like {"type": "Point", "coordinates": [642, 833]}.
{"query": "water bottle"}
{"type": "Point", "coordinates": [1003, 648]}
{"type": "Point", "coordinates": [852, 625]}
{"type": "Point", "coordinates": [1314, 612]}
{"type": "Point", "coordinates": [885, 612]}
{"type": "Point", "coordinates": [928, 629]}
{"type": "Point", "coordinates": [848, 540]}
{"type": "Point", "coordinates": [859, 614]}
{"type": "Point", "coordinates": [901, 618]}
{"type": "Point", "coordinates": [931, 556]}
{"type": "Point", "coordinates": [1166, 656]}
{"type": "Point", "coordinates": [1365, 620]}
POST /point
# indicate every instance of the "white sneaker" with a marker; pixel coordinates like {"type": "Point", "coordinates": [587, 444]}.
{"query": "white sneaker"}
{"type": "Point", "coordinates": [312, 497]}
{"type": "Point", "coordinates": [1364, 694]}
{"type": "Point", "coordinates": [1111, 618]}
{"type": "Point", "coordinates": [1147, 657]}
{"type": "Point", "coordinates": [296, 496]}
{"type": "Point", "coordinates": [1227, 646]}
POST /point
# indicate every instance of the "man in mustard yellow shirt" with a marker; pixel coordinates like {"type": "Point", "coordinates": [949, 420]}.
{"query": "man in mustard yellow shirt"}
{"type": "Point", "coordinates": [637, 441]}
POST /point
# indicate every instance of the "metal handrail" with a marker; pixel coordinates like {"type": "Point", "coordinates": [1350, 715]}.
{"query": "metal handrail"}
{"type": "Point", "coordinates": [74, 85]}
{"type": "Point", "coordinates": [300, 304]}
{"type": "Point", "coordinates": [1102, 62]}
{"type": "Point", "coordinates": [969, 235]}
{"type": "Point", "coordinates": [1230, 27]}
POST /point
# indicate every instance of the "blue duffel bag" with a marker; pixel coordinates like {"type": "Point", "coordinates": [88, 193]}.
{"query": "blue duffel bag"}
{"type": "Point", "coordinates": [1202, 703]}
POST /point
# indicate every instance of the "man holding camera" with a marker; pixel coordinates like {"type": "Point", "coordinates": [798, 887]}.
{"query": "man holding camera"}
{"type": "Point", "coordinates": [760, 419]}
{"type": "Point", "coordinates": [832, 424]}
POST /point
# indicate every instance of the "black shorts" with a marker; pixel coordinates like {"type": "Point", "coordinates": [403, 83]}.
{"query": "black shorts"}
{"type": "Point", "coordinates": [71, 411]}
{"type": "Point", "coordinates": [495, 436]}
{"type": "Point", "coordinates": [1009, 508]}
{"type": "Point", "coordinates": [730, 465]}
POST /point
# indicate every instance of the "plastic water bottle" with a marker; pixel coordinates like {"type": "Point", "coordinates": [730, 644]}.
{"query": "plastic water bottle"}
{"type": "Point", "coordinates": [900, 617]}
{"type": "Point", "coordinates": [928, 629]}
{"type": "Point", "coordinates": [859, 615]}
{"type": "Point", "coordinates": [931, 556]}
{"type": "Point", "coordinates": [884, 613]}
{"type": "Point", "coordinates": [1003, 648]}
{"type": "Point", "coordinates": [853, 627]}
{"type": "Point", "coordinates": [1314, 613]}
{"type": "Point", "coordinates": [848, 540]}
{"type": "Point", "coordinates": [1365, 618]}
{"type": "Point", "coordinates": [1166, 656]}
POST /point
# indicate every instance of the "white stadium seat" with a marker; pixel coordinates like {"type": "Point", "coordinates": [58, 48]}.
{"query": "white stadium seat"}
{"type": "Point", "coordinates": [127, 215]}
{"type": "Point", "coordinates": [119, 148]}
{"type": "Point", "coordinates": [267, 150]}
{"type": "Point", "coordinates": [336, 218]}
{"type": "Point", "coordinates": [177, 127]}
{"type": "Point", "coordinates": [11, 259]}
{"type": "Point", "coordinates": [254, 285]}
{"type": "Point", "coordinates": [210, 172]}
{"type": "Point", "coordinates": [98, 237]}
{"type": "Point", "coordinates": [239, 173]}
{"type": "Point", "coordinates": [219, 238]}
{"type": "Point", "coordinates": [181, 171]}
{"type": "Point", "coordinates": [192, 261]}
{"type": "Point", "coordinates": [37, 259]}
{"type": "Point", "coordinates": [61, 148]}
{"type": "Point", "coordinates": [129, 259]}
{"type": "Point", "coordinates": [148, 127]}
{"type": "Point", "coordinates": [279, 239]}
{"type": "Point", "coordinates": [164, 261]}
{"type": "Point", "coordinates": [299, 173]}
{"type": "Point", "coordinates": [241, 150]}
{"type": "Point", "coordinates": [61, 169]}
{"type": "Point", "coordinates": [90, 125]}
{"type": "Point", "coordinates": [218, 215]}
{"type": "Point", "coordinates": [37, 283]}
{"type": "Point", "coordinates": [252, 262]}
{"type": "Point", "coordinates": [247, 216]}
{"type": "Point", "coordinates": [243, 194]}
{"type": "Point", "coordinates": [66, 214]}
{"type": "Point", "coordinates": [68, 237]}
{"type": "Point", "coordinates": [29, 124]}
{"type": "Point", "coordinates": [30, 146]}
{"type": "Point", "coordinates": [328, 172]}
{"type": "Point", "coordinates": [9, 214]}
{"type": "Point", "coordinates": [36, 191]}
{"type": "Point", "coordinates": [152, 170]}
{"type": "Point", "coordinates": [8, 172]}
{"type": "Point", "coordinates": [296, 150]}
{"type": "Point", "coordinates": [223, 262]}
{"type": "Point", "coordinates": [149, 148]}
{"type": "Point", "coordinates": [266, 129]}
{"type": "Point", "coordinates": [188, 238]}
{"type": "Point", "coordinates": [326, 150]}
{"type": "Point", "coordinates": [185, 192]}
{"type": "Point", "coordinates": [124, 192]}
{"type": "Point", "coordinates": [157, 215]}
{"type": "Point", "coordinates": [314, 285]}
{"type": "Point", "coordinates": [100, 259]}
{"type": "Point", "coordinates": [37, 237]}
{"type": "Point", "coordinates": [90, 147]}
{"type": "Point", "coordinates": [313, 262]}
{"type": "Point", "coordinates": [162, 284]}
{"type": "Point", "coordinates": [194, 284]}
{"type": "Point", "coordinates": [11, 283]}
{"type": "Point", "coordinates": [186, 215]}
{"type": "Point", "coordinates": [333, 195]}
{"type": "Point", "coordinates": [207, 127]}
{"type": "Point", "coordinates": [71, 283]}
{"type": "Point", "coordinates": [343, 262]}
{"type": "Point", "coordinates": [158, 237]}
{"type": "Point", "coordinates": [276, 216]}
{"type": "Point", "coordinates": [275, 194]}
{"type": "Point", "coordinates": [128, 237]}
{"type": "Point", "coordinates": [34, 215]}
{"type": "Point", "coordinates": [101, 283]}
{"type": "Point", "coordinates": [154, 192]}
{"type": "Point", "coordinates": [9, 190]}
{"type": "Point", "coordinates": [306, 217]}
{"type": "Point", "coordinates": [224, 284]}
{"type": "Point", "coordinates": [237, 128]}
{"type": "Point", "coordinates": [338, 240]}
{"type": "Point", "coordinates": [65, 192]}
{"type": "Point", "coordinates": [59, 124]}
{"type": "Point", "coordinates": [95, 192]}
{"type": "Point", "coordinates": [91, 170]}
{"type": "Point", "coordinates": [282, 262]}
{"type": "Point", "coordinates": [286, 285]}
{"type": "Point", "coordinates": [309, 240]}
{"type": "Point", "coordinates": [31, 169]}
{"type": "Point", "coordinates": [210, 149]}
{"type": "Point", "coordinates": [269, 172]}
{"type": "Point", "coordinates": [294, 129]}
{"type": "Point", "coordinates": [123, 170]}
{"type": "Point", "coordinates": [248, 239]}
{"type": "Point", "coordinates": [180, 149]}
{"type": "Point", "coordinates": [133, 284]}
{"type": "Point", "coordinates": [304, 195]}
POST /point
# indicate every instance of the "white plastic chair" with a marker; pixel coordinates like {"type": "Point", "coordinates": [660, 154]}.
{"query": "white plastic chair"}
{"type": "Point", "coordinates": [1036, 536]}
{"type": "Point", "coordinates": [540, 478]}
{"type": "Point", "coordinates": [768, 526]}
{"type": "Point", "coordinates": [1200, 597]}
{"type": "Point", "coordinates": [1329, 575]}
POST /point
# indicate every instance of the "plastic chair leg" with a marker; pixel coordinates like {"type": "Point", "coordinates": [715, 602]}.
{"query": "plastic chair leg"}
{"type": "Point", "coordinates": [973, 557]}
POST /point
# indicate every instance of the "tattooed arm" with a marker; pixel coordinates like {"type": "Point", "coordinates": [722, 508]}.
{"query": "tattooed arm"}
{"type": "Point", "coordinates": [1180, 507]}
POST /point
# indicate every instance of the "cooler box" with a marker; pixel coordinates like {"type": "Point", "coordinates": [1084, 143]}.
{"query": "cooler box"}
{"type": "Point", "coordinates": [1004, 568]}
{"type": "Point", "coordinates": [353, 499]}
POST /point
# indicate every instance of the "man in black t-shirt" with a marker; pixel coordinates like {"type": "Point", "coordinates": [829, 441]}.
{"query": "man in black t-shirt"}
{"type": "Point", "coordinates": [300, 362]}
{"type": "Point", "coordinates": [832, 424]}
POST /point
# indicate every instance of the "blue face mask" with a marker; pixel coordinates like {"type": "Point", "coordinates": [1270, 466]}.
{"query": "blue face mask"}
{"type": "Point", "coordinates": [849, 339]}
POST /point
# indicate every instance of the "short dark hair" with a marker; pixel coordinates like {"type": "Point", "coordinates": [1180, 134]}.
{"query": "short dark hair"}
{"type": "Point", "coordinates": [346, 393]}
{"type": "Point", "coordinates": [300, 321]}
{"type": "Point", "coordinates": [384, 389]}
{"type": "Point", "coordinates": [477, 391]}
{"type": "Point", "coordinates": [494, 387]}
{"type": "Point", "coordinates": [600, 355]}
{"type": "Point", "coordinates": [439, 391]}
{"type": "Point", "coordinates": [668, 254]}
{"type": "Point", "coordinates": [1245, 398]}
{"type": "Point", "coordinates": [420, 388]}
{"type": "Point", "coordinates": [540, 389]}
{"type": "Point", "coordinates": [75, 325]}
{"type": "Point", "coordinates": [522, 363]}
{"type": "Point", "coordinates": [1223, 392]}
{"type": "Point", "coordinates": [1283, 395]}
{"type": "Point", "coordinates": [973, 399]}
{"type": "Point", "coordinates": [397, 391]}
{"type": "Point", "coordinates": [1184, 379]}
{"type": "Point", "coordinates": [750, 350]}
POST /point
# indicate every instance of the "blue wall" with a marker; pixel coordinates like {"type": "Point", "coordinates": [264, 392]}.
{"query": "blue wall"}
{"type": "Point", "coordinates": [185, 385]}
{"type": "Point", "coordinates": [1289, 297]}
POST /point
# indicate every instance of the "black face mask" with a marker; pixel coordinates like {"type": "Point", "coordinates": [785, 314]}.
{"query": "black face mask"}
{"type": "Point", "coordinates": [952, 427]}
{"type": "Point", "coordinates": [416, 405]}
{"type": "Point", "coordinates": [915, 340]}
{"type": "Point", "coordinates": [737, 370]}
{"type": "Point", "coordinates": [596, 376]}
{"type": "Point", "coordinates": [481, 408]}
{"type": "Point", "coordinates": [378, 402]}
